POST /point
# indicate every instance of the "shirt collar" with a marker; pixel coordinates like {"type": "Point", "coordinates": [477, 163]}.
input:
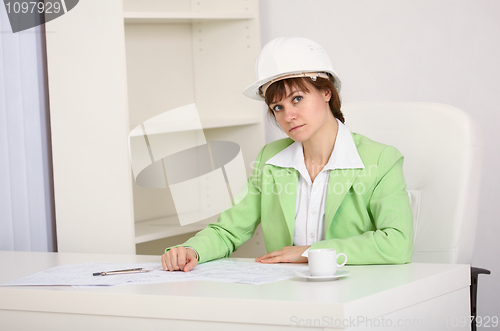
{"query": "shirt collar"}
{"type": "Point", "coordinates": [344, 156]}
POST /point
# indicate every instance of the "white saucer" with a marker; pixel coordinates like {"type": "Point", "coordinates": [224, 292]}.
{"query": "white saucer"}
{"type": "Point", "coordinates": [308, 276]}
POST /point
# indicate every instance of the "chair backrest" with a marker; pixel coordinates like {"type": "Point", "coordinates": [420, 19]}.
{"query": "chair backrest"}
{"type": "Point", "coordinates": [442, 149]}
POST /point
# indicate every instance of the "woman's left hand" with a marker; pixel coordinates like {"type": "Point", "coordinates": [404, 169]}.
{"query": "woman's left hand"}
{"type": "Point", "coordinates": [291, 254]}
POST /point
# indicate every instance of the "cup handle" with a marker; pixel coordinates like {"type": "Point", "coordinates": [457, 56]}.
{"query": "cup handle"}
{"type": "Point", "coordinates": [345, 259]}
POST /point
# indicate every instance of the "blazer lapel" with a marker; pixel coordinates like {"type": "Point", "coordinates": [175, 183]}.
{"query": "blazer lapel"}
{"type": "Point", "coordinates": [340, 182]}
{"type": "Point", "coordinates": [286, 188]}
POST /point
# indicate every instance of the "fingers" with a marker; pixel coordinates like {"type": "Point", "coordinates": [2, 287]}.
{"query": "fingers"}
{"type": "Point", "coordinates": [163, 262]}
{"type": "Point", "coordinates": [181, 258]}
{"type": "Point", "coordinates": [191, 259]}
{"type": "Point", "coordinates": [286, 254]}
{"type": "Point", "coordinates": [268, 255]}
{"type": "Point", "coordinates": [166, 261]}
{"type": "Point", "coordinates": [175, 259]}
{"type": "Point", "coordinates": [276, 259]}
{"type": "Point", "coordinates": [190, 265]}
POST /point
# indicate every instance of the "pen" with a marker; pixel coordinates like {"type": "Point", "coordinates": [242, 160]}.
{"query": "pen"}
{"type": "Point", "coordinates": [118, 272]}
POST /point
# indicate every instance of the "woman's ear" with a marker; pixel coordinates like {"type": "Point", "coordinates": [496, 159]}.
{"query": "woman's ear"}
{"type": "Point", "coordinates": [327, 94]}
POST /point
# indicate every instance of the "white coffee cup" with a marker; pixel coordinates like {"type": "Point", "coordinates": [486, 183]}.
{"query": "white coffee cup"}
{"type": "Point", "coordinates": [323, 262]}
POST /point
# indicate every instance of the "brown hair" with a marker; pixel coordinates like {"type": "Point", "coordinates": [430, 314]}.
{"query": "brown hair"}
{"type": "Point", "coordinates": [277, 91]}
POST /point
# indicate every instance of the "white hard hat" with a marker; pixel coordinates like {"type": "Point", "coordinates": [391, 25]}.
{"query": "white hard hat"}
{"type": "Point", "coordinates": [283, 58]}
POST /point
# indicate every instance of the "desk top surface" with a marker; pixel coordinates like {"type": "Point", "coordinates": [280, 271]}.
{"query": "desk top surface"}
{"type": "Point", "coordinates": [397, 286]}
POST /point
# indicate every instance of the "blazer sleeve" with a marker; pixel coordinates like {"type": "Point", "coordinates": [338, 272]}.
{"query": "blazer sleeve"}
{"type": "Point", "coordinates": [234, 225]}
{"type": "Point", "coordinates": [392, 240]}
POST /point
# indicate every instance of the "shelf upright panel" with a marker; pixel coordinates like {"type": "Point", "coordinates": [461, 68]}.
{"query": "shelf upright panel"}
{"type": "Point", "coordinates": [89, 128]}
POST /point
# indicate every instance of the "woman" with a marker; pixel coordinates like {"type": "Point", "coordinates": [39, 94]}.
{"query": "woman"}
{"type": "Point", "coordinates": [323, 187]}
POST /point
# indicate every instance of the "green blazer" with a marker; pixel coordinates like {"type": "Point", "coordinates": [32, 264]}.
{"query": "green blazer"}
{"type": "Point", "coordinates": [367, 216]}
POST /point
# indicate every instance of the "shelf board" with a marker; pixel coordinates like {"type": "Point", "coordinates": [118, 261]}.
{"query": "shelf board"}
{"type": "Point", "coordinates": [165, 227]}
{"type": "Point", "coordinates": [182, 17]}
{"type": "Point", "coordinates": [212, 123]}
{"type": "Point", "coordinates": [215, 123]}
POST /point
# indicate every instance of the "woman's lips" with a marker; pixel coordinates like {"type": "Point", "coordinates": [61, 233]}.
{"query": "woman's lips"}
{"type": "Point", "coordinates": [296, 127]}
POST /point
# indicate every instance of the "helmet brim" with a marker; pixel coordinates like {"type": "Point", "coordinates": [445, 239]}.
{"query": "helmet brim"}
{"type": "Point", "coordinates": [252, 91]}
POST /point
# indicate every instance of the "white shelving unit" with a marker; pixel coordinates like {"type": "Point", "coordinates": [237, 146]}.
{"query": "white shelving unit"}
{"type": "Point", "coordinates": [186, 52]}
{"type": "Point", "coordinates": [114, 64]}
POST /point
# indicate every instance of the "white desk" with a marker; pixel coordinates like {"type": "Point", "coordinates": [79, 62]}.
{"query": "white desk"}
{"type": "Point", "coordinates": [418, 296]}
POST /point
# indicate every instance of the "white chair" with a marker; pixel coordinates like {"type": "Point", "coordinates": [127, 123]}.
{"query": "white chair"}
{"type": "Point", "coordinates": [442, 149]}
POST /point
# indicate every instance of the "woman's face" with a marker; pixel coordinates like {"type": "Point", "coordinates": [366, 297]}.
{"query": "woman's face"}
{"type": "Point", "coordinates": [302, 115]}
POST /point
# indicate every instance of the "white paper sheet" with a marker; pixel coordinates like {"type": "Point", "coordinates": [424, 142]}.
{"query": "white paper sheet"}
{"type": "Point", "coordinates": [248, 273]}
{"type": "Point", "coordinates": [225, 271]}
{"type": "Point", "coordinates": [80, 275]}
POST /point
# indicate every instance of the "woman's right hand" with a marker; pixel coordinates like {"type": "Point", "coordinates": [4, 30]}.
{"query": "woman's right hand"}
{"type": "Point", "coordinates": [179, 258]}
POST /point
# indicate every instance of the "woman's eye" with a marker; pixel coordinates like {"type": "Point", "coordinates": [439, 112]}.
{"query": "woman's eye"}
{"type": "Point", "coordinates": [277, 108]}
{"type": "Point", "coordinates": [297, 98]}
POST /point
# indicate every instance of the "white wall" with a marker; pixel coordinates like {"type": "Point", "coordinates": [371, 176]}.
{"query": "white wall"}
{"type": "Point", "coordinates": [444, 51]}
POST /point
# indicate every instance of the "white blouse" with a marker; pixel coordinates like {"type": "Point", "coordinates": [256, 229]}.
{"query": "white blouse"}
{"type": "Point", "coordinates": [311, 196]}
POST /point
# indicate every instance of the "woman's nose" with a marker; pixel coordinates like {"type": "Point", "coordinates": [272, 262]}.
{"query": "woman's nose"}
{"type": "Point", "coordinates": [290, 114]}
